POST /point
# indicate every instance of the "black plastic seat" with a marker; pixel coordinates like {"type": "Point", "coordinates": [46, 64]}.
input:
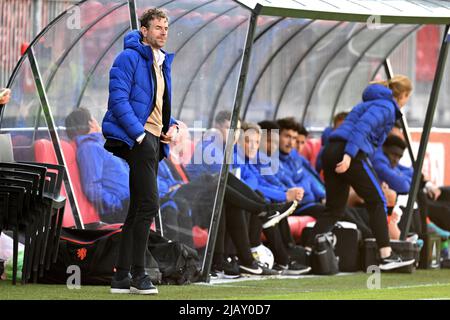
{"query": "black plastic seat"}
{"type": "Point", "coordinates": [16, 204]}
{"type": "Point", "coordinates": [54, 179]}
{"type": "Point", "coordinates": [33, 222]}
{"type": "Point", "coordinates": [32, 219]}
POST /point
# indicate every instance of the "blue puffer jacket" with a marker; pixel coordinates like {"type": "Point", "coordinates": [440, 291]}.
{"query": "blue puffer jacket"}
{"type": "Point", "coordinates": [132, 92]}
{"type": "Point", "coordinates": [104, 178]}
{"type": "Point", "coordinates": [398, 178]}
{"type": "Point", "coordinates": [268, 184]}
{"type": "Point", "coordinates": [368, 124]}
{"type": "Point", "coordinates": [300, 175]}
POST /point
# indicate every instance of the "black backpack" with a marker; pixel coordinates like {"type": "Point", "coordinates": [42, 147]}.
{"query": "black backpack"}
{"type": "Point", "coordinates": [323, 259]}
{"type": "Point", "coordinates": [178, 263]}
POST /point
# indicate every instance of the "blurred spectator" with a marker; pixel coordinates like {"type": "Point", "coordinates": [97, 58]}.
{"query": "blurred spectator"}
{"type": "Point", "coordinates": [104, 177]}
{"type": "Point", "coordinates": [5, 95]}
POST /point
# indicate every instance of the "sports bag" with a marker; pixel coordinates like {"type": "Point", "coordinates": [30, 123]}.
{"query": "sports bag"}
{"type": "Point", "coordinates": [95, 253]}
{"type": "Point", "coordinates": [178, 263]}
{"type": "Point", "coordinates": [323, 259]}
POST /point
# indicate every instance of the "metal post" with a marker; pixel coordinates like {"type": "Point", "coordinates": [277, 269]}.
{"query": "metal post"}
{"type": "Point", "coordinates": [405, 127]}
{"type": "Point", "coordinates": [42, 93]}
{"type": "Point", "coordinates": [426, 129]}
{"type": "Point", "coordinates": [133, 15]}
{"type": "Point", "coordinates": [37, 17]}
{"type": "Point", "coordinates": [218, 203]}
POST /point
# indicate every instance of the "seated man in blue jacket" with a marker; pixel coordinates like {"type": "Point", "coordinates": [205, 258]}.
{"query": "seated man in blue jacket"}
{"type": "Point", "coordinates": [434, 201]}
{"type": "Point", "coordinates": [104, 177]}
{"type": "Point", "coordinates": [295, 171]}
{"type": "Point", "coordinates": [386, 164]}
{"type": "Point", "coordinates": [255, 167]}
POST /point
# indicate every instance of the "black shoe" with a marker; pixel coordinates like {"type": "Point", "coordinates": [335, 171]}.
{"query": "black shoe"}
{"type": "Point", "coordinates": [213, 275]}
{"type": "Point", "coordinates": [228, 270]}
{"type": "Point", "coordinates": [277, 213]}
{"type": "Point", "coordinates": [292, 268]}
{"type": "Point", "coordinates": [142, 285]}
{"type": "Point", "coordinates": [120, 286]}
{"type": "Point", "coordinates": [269, 272]}
{"type": "Point", "coordinates": [394, 261]}
{"type": "Point", "coordinates": [253, 268]}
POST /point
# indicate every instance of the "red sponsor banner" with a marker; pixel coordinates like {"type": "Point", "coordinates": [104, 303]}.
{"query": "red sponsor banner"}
{"type": "Point", "coordinates": [436, 165]}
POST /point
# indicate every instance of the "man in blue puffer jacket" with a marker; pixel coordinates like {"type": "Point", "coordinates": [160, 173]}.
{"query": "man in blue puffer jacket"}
{"type": "Point", "coordinates": [138, 127]}
{"type": "Point", "coordinates": [295, 171]}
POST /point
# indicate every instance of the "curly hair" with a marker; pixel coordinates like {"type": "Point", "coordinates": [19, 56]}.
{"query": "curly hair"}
{"type": "Point", "coordinates": [152, 14]}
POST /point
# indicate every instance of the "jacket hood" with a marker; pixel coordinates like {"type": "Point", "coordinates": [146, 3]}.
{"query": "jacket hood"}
{"type": "Point", "coordinates": [133, 40]}
{"type": "Point", "coordinates": [377, 91]}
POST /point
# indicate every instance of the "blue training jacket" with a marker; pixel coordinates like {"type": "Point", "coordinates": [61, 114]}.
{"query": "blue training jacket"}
{"type": "Point", "coordinates": [104, 177]}
{"type": "Point", "coordinates": [132, 92]}
{"type": "Point", "coordinates": [368, 124]}
{"type": "Point", "coordinates": [301, 174]}
{"type": "Point", "coordinates": [268, 184]}
{"type": "Point", "coordinates": [398, 178]}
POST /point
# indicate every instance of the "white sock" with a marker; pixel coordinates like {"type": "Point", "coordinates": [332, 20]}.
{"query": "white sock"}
{"type": "Point", "coordinates": [385, 252]}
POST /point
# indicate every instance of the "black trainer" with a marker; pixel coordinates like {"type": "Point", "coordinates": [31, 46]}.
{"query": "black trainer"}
{"type": "Point", "coordinates": [143, 285]}
{"type": "Point", "coordinates": [268, 271]}
{"type": "Point", "coordinates": [120, 286]}
{"type": "Point", "coordinates": [213, 275]}
{"type": "Point", "coordinates": [227, 270]}
{"type": "Point", "coordinates": [277, 213]}
{"type": "Point", "coordinates": [394, 261]}
{"type": "Point", "coordinates": [253, 268]}
{"type": "Point", "coordinates": [292, 268]}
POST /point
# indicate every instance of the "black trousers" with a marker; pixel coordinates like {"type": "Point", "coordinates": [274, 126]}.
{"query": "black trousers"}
{"type": "Point", "coordinates": [274, 239]}
{"type": "Point", "coordinates": [200, 194]}
{"type": "Point", "coordinates": [364, 181]}
{"type": "Point", "coordinates": [143, 161]}
{"type": "Point", "coordinates": [236, 192]}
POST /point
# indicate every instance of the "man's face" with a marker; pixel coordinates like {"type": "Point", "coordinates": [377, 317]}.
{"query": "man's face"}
{"type": "Point", "coordinates": [301, 141]}
{"type": "Point", "coordinates": [156, 33]}
{"type": "Point", "coordinates": [394, 155]}
{"type": "Point", "coordinates": [252, 139]}
{"type": "Point", "coordinates": [94, 126]}
{"type": "Point", "coordinates": [288, 140]}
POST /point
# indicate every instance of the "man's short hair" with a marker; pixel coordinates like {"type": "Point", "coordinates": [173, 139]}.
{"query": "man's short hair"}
{"type": "Point", "coordinates": [152, 14]}
{"type": "Point", "coordinates": [302, 130]}
{"type": "Point", "coordinates": [394, 141]}
{"type": "Point", "coordinates": [269, 125]}
{"type": "Point", "coordinates": [77, 123]}
{"type": "Point", "coordinates": [222, 116]}
{"type": "Point", "coordinates": [289, 123]}
{"type": "Point", "coordinates": [251, 126]}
